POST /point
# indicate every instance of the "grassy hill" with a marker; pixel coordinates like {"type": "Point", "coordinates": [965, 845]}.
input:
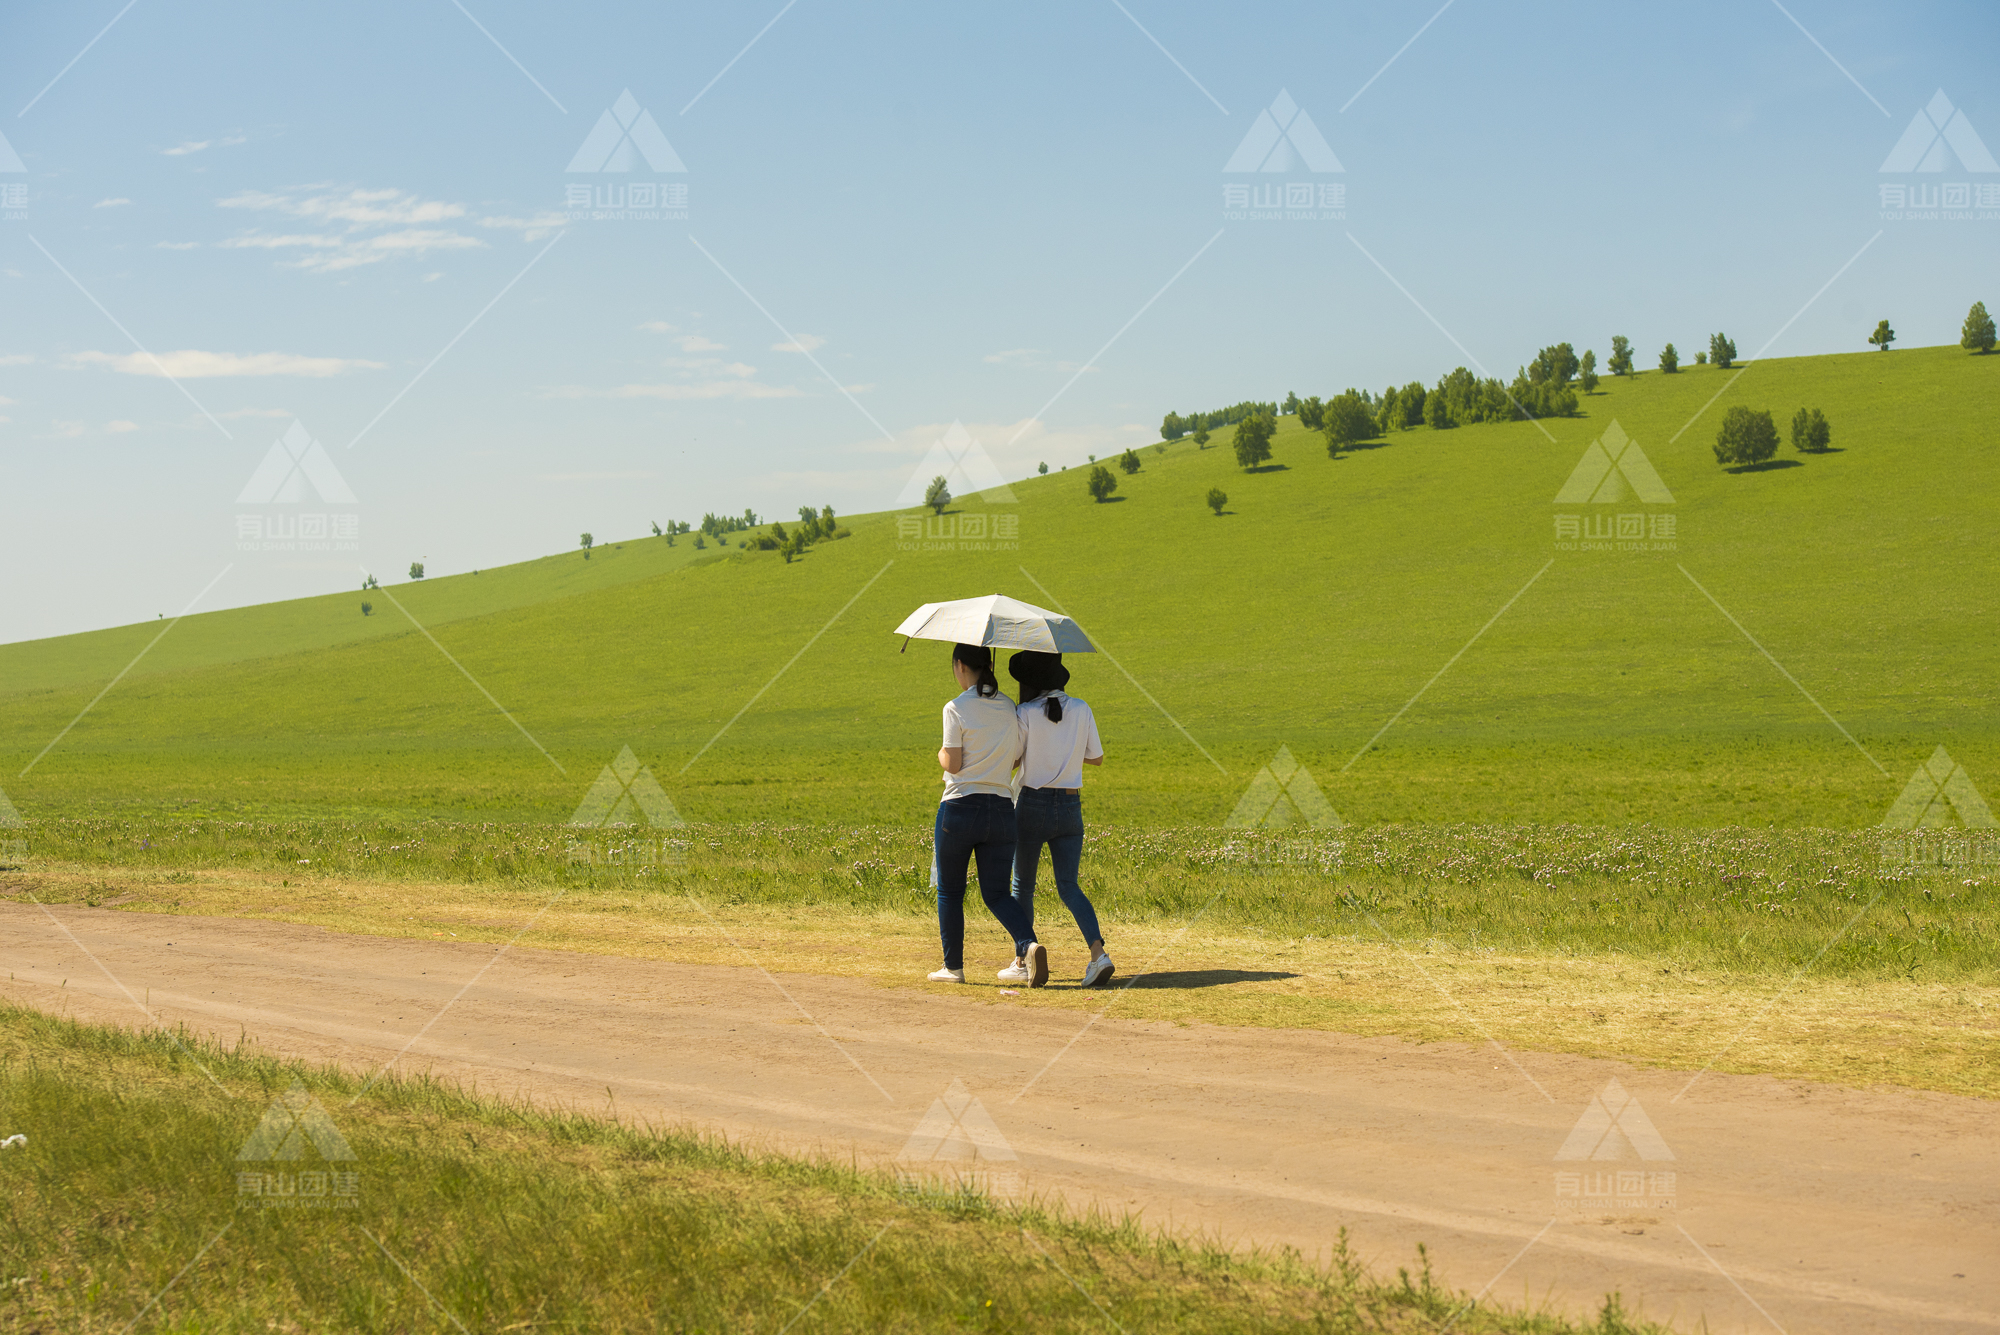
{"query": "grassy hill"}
{"type": "Point", "coordinates": [1612, 690]}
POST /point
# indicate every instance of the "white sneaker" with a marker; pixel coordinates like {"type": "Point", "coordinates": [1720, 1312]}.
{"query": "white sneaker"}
{"type": "Point", "coordinates": [948, 976]}
{"type": "Point", "coordinates": [1098, 971]}
{"type": "Point", "coordinates": [1037, 960]}
{"type": "Point", "coordinates": [1016, 972]}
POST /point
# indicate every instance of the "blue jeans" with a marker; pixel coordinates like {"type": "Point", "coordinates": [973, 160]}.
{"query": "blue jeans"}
{"type": "Point", "coordinates": [1046, 816]}
{"type": "Point", "coordinates": [980, 826]}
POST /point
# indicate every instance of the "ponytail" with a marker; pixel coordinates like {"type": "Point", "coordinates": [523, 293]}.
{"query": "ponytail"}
{"type": "Point", "coordinates": [979, 659]}
{"type": "Point", "coordinates": [1051, 707]}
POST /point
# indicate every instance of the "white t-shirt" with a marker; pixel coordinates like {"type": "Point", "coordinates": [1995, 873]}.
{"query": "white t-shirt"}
{"type": "Point", "coordinates": [1056, 751]}
{"type": "Point", "coordinates": [986, 728]}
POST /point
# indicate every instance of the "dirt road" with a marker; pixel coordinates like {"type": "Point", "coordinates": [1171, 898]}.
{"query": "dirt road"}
{"type": "Point", "coordinates": [1752, 1203]}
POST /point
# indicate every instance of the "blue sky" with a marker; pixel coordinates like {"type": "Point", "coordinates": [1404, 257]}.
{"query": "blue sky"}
{"type": "Point", "coordinates": [356, 217]}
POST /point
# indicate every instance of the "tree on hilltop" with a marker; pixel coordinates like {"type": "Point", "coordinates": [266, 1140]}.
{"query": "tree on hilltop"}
{"type": "Point", "coordinates": [1883, 336]}
{"type": "Point", "coordinates": [1173, 428]}
{"type": "Point", "coordinates": [1347, 420]}
{"type": "Point", "coordinates": [938, 494]}
{"type": "Point", "coordinates": [1977, 335]}
{"type": "Point", "coordinates": [1670, 361]}
{"type": "Point", "coordinates": [586, 542]}
{"type": "Point", "coordinates": [1555, 365]}
{"type": "Point", "coordinates": [1722, 350]}
{"type": "Point", "coordinates": [1588, 377]}
{"type": "Point", "coordinates": [1101, 483]}
{"type": "Point", "coordinates": [1621, 356]}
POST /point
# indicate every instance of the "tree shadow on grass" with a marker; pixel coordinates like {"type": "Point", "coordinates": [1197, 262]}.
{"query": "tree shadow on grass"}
{"type": "Point", "coordinates": [1189, 978]}
{"type": "Point", "coordinates": [1114, 500]}
{"type": "Point", "coordinates": [1269, 468]}
{"type": "Point", "coordinates": [1768, 466]}
{"type": "Point", "coordinates": [1377, 444]}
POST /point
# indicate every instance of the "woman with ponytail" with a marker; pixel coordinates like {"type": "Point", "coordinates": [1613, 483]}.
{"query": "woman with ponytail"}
{"type": "Point", "coordinates": [1059, 739]}
{"type": "Point", "coordinates": [975, 821]}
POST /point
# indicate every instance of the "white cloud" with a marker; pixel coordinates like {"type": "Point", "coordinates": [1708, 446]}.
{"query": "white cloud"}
{"type": "Point", "coordinates": [699, 343]}
{"type": "Point", "coordinates": [595, 477]}
{"type": "Point", "coordinates": [657, 327]}
{"type": "Point", "coordinates": [1033, 359]}
{"type": "Point", "coordinates": [109, 203]}
{"type": "Point", "coordinates": [5, 401]}
{"type": "Point", "coordinates": [432, 277]}
{"type": "Point", "coordinates": [67, 430]}
{"type": "Point", "coordinates": [16, 358]}
{"type": "Point", "coordinates": [531, 229]}
{"type": "Point", "coordinates": [705, 389]}
{"type": "Point", "coordinates": [177, 245]}
{"type": "Point", "coordinates": [187, 146]}
{"type": "Point", "coordinates": [859, 389]}
{"type": "Point", "coordinates": [803, 343]}
{"type": "Point", "coordinates": [120, 427]}
{"type": "Point", "coordinates": [193, 364]}
{"type": "Point", "coordinates": [357, 219]}
{"type": "Point", "coordinates": [258, 412]}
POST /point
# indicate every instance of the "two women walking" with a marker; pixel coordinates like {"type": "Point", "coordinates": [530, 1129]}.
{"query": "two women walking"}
{"type": "Point", "coordinates": [1049, 737]}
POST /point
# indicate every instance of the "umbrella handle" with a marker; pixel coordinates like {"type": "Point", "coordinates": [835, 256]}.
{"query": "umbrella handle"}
{"type": "Point", "coordinates": [906, 645]}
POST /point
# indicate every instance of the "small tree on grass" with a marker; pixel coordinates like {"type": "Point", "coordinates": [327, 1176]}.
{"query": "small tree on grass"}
{"type": "Point", "coordinates": [1670, 361]}
{"type": "Point", "coordinates": [1044, 468]}
{"type": "Point", "coordinates": [938, 494]}
{"type": "Point", "coordinates": [1810, 432]}
{"type": "Point", "coordinates": [1589, 376]}
{"type": "Point", "coordinates": [1722, 350]}
{"type": "Point", "coordinates": [1101, 483]}
{"type": "Point", "coordinates": [1977, 335]}
{"type": "Point", "coordinates": [416, 570]}
{"type": "Point", "coordinates": [1201, 436]}
{"type": "Point", "coordinates": [1621, 355]}
{"type": "Point", "coordinates": [1347, 420]}
{"type": "Point", "coordinates": [1253, 440]}
{"type": "Point", "coordinates": [1883, 336]}
{"type": "Point", "coordinates": [1748, 436]}
{"type": "Point", "coordinates": [367, 609]}
{"type": "Point", "coordinates": [1217, 498]}
{"type": "Point", "coordinates": [1129, 462]}
{"type": "Point", "coordinates": [586, 542]}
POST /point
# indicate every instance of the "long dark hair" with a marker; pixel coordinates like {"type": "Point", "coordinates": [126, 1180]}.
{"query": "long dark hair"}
{"type": "Point", "coordinates": [980, 659]}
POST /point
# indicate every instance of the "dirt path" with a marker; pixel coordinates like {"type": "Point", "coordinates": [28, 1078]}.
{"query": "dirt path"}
{"type": "Point", "coordinates": [1795, 1206]}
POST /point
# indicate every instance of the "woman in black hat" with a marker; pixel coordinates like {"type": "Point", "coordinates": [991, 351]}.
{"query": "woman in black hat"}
{"type": "Point", "coordinates": [1059, 738]}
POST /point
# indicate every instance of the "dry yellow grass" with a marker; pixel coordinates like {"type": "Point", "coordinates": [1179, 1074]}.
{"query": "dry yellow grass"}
{"type": "Point", "coordinates": [1943, 1037]}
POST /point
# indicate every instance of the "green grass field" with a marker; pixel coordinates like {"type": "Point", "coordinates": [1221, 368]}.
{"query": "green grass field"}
{"type": "Point", "coordinates": [129, 1207]}
{"type": "Point", "coordinates": [1613, 691]}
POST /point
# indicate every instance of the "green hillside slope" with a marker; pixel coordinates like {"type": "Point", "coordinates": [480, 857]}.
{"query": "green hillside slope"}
{"type": "Point", "coordinates": [1331, 592]}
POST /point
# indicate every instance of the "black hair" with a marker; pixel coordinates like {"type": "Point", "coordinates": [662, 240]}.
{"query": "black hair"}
{"type": "Point", "coordinates": [1041, 675]}
{"type": "Point", "coordinates": [980, 659]}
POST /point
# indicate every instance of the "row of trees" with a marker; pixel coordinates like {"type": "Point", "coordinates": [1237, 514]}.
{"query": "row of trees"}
{"type": "Point", "coordinates": [1199, 425]}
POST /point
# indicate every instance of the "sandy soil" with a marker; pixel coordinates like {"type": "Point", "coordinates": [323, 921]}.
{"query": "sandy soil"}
{"type": "Point", "coordinates": [1796, 1206]}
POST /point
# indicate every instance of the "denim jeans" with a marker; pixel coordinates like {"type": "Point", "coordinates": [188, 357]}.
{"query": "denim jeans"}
{"type": "Point", "coordinates": [980, 826]}
{"type": "Point", "coordinates": [1046, 816]}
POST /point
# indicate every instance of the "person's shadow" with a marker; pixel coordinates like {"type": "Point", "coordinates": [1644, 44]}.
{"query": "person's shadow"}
{"type": "Point", "coordinates": [1188, 978]}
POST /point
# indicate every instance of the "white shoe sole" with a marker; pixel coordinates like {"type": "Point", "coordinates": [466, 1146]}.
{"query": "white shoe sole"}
{"type": "Point", "coordinates": [1100, 978]}
{"type": "Point", "coordinates": [1038, 965]}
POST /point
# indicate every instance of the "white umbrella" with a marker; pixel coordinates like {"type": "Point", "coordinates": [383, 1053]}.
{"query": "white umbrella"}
{"type": "Point", "coordinates": [996, 620]}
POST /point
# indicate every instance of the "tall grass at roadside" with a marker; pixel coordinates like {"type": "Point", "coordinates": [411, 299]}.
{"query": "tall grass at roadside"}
{"type": "Point", "coordinates": [125, 1211]}
{"type": "Point", "coordinates": [1749, 901]}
